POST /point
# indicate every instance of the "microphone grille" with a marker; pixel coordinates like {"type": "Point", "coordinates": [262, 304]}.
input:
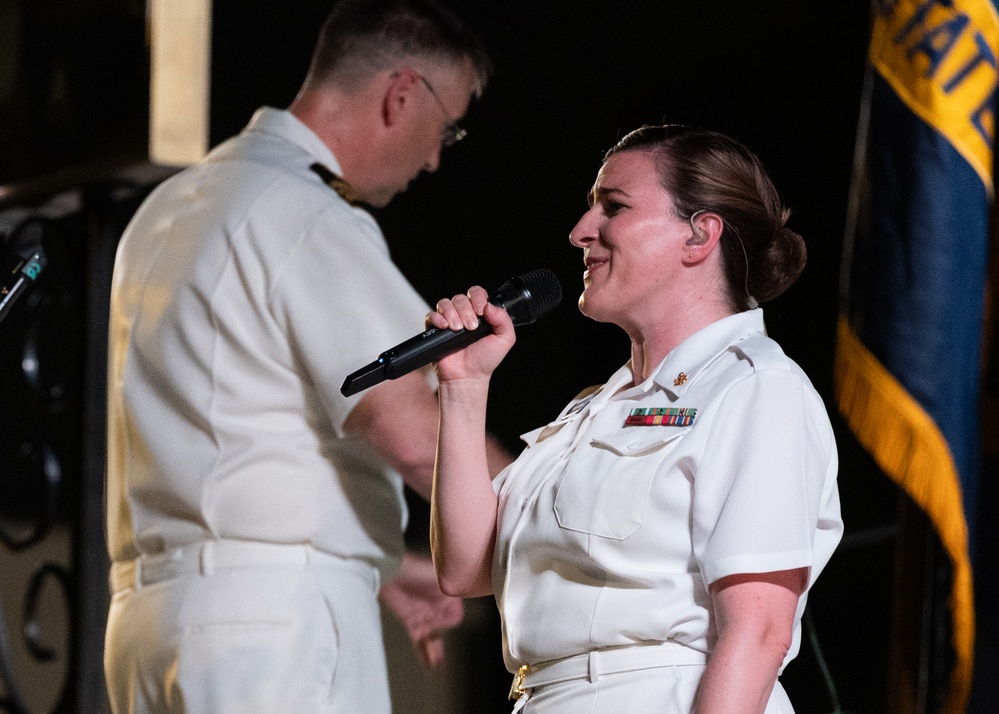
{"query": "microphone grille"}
{"type": "Point", "coordinates": [540, 293]}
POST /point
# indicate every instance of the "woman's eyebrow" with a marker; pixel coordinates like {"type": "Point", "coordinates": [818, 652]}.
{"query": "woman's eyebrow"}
{"type": "Point", "coordinates": [598, 192]}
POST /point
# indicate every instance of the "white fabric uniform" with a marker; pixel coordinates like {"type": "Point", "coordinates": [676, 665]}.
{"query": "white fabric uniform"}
{"type": "Point", "coordinates": [609, 535]}
{"type": "Point", "coordinates": [244, 291]}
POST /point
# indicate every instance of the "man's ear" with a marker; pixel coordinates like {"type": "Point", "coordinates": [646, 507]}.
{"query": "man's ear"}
{"type": "Point", "coordinates": [706, 230]}
{"type": "Point", "coordinates": [399, 95]}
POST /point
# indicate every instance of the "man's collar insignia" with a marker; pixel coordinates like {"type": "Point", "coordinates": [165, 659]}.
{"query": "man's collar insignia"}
{"type": "Point", "coordinates": [339, 184]}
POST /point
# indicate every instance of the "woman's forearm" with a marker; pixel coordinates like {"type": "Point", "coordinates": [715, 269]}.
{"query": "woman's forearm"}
{"type": "Point", "coordinates": [463, 503]}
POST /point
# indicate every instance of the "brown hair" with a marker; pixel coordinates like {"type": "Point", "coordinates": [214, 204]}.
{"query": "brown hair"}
{"type": "Point", "coordinates": [362, 37]}
{"type": "Point", "coordinates": [708, 171]}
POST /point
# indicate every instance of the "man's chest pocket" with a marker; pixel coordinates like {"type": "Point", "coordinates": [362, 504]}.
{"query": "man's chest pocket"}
{"type": "Point", "coordinates": [605, 491]}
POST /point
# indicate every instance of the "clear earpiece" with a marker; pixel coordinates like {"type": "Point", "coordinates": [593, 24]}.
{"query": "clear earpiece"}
{"type": "Point", "coordinates": [699, 237]}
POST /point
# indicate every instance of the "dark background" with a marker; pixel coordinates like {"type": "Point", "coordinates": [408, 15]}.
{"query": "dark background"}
{"type": "Point", "coordinates": [783, 76]}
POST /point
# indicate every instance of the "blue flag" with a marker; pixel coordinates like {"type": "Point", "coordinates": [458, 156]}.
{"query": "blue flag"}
{"type": "Point", "coordinates": [907, 372]}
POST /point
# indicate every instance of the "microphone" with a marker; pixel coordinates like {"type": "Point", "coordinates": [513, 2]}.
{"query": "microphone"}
{"type": "Point", "coordinates": [23, 274]}
{"type": "Point", "coordinates": [525, 298]}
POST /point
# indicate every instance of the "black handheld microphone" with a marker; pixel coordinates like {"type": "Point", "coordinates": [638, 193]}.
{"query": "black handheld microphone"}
{"type": "Point", "coordinates": [525, 298]}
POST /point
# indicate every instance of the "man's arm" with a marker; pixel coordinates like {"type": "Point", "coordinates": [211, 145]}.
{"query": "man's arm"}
{"type": "Point", "coordinates": [399, 419]}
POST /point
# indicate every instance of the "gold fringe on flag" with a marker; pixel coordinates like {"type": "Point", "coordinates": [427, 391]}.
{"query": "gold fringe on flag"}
{"type": "Point", "coordinates": [907, 445]}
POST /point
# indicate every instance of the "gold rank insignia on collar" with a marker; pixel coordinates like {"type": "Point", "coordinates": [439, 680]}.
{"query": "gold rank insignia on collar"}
{"type": "Point", "coordinates": [661, 416]}
{"type": "Point", "coordinates": [343, 189]}
{"type": "Point", "coordinates": [680, 379]}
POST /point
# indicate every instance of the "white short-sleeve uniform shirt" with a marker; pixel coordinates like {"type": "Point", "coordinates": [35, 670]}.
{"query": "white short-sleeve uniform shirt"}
{"type": "Point", "coordinates": [609, 534]}
{"type": "Point", "coordinates": [245, 290]}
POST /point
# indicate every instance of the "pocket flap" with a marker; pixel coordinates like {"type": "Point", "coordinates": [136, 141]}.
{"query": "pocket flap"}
{"type": "Point", "coordinates": [541, 433]}
{"type": "Point", "coordinates": [639, 440]}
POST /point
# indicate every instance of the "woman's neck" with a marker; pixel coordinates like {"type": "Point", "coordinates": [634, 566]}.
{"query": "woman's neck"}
{"type": "Point", "coordinates": [650, 346]}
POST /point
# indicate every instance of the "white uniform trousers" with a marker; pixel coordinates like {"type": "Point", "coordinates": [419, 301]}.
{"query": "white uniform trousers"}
{"type": "Point", "coordinates": [660, 689]}
{"type": "Point", "coordinates": [249, 628]}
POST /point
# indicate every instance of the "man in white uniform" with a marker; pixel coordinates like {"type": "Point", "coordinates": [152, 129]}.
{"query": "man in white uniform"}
{"type": "Point", "coordinates": [254, 513]}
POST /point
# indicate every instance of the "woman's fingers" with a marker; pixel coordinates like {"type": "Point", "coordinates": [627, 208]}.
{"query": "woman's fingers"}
{"type": "Point", "coordinates": [478, 297]}
{"type": "Point", "coordinates": [459, 312]}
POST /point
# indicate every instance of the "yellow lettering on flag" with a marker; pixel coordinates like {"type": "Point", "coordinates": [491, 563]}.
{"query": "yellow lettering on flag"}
{"type": "Point", "coordinates": [940, 57]}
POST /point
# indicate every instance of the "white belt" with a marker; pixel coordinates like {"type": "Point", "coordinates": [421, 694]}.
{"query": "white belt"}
{"type": "Point", "coordinates": [210, 556]}
{"type": "Point", "coordinates": [591, 665]}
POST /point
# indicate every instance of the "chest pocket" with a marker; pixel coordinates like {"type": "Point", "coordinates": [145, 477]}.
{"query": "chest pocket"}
{"type": "Point", "coordinates": [606, 492]}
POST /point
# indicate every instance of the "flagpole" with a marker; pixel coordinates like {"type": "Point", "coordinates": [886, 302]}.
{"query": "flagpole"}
{"type": "Point", "coordinates": [857, 189]}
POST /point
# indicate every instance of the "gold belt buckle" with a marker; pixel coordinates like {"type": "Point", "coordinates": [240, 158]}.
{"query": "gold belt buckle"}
{"type": "Point", "coordinates": [517, 690]}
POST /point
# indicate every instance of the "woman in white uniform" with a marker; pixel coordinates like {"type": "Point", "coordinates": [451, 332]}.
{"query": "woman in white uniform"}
{"type": "Point", "coordinates": [652, 548]}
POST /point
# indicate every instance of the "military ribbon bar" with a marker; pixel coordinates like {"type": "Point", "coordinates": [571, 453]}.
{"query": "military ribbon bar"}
{"type": "Point", "coordinates": [661, 416]}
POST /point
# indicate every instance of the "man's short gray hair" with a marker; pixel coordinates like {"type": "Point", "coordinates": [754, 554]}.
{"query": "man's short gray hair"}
{"type": "Point", "coordinates": [363, 37]}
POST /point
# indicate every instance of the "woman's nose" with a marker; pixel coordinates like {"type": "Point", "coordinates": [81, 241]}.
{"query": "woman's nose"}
{"type": "Point", "coordinates": [585, 229]}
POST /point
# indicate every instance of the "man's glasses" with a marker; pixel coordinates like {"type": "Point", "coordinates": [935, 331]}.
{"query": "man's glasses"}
{"type": "Point", "coordinates": [452, 133]}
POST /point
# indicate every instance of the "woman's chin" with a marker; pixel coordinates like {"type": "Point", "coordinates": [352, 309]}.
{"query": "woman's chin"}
{"type": "Point", "coordinates": [591, 308]}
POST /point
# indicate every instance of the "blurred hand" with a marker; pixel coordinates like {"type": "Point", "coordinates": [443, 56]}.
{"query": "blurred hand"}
{"type": "Point", "coordinates": [423, 609]}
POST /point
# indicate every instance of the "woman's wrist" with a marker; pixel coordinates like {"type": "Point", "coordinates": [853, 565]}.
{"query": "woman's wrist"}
{"type": "Point", "coordinates": [466, 390]}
